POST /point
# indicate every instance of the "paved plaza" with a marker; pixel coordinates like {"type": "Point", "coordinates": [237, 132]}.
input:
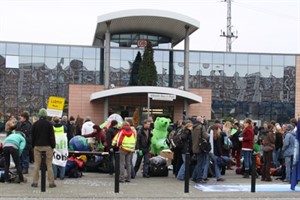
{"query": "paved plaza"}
{"type": "Point", "coordinates": [99, 185]}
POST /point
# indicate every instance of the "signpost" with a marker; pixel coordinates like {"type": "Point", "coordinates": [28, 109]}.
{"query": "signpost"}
{"type": "Point", "coordinates": [55, 106]}
{"type": "Point", "coordinates": [160, 97]}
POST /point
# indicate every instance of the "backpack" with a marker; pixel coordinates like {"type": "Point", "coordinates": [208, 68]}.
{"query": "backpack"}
{"type": "Point", "coordinates": [174, 139]}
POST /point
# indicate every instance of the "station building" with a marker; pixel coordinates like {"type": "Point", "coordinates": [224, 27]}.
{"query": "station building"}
{"type": "Point", "coordinates": [95, 79]}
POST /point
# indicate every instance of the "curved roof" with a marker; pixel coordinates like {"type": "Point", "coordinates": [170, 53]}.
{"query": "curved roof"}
{"type": "Point", "coordinates": [193, 98]}
{"type": "Point", "coordinates": [158, 22]}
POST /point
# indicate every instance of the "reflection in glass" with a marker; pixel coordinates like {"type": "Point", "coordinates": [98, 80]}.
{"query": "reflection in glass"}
{"type": "Point", "coordinates": [51, 51]}
{"type": "Point", "coordinates": [289, 60]}
{"type": "Point", "coordinates": [242, 59]}
{"type": "Point", "coordinates": [89, 53]}
{"type": "Point", "coordinates": [218, 58]}
{"type": "Point", "coordinates": [265, 60]}
{"type": "Point", "coordinates": [12, 49]}
{"type": "Point", "coordinates": [38, 50]}
{"type": "Point", "coordinates": [230, 58]}
{"type": "Point", "coordinates": [25, 49]}
{"type": "Point", "coordinates": [194, 57]}
{"type": "Point", "coordinates": [253, 59]}
{"type": "Point", "coordinates": [277, 60]}
{"type": "Point", "coordinates": [76, 52]}
{"type": "Point", "coordinates": [63, 51]}
{"type": "Point", "coordinates": [2, 48]}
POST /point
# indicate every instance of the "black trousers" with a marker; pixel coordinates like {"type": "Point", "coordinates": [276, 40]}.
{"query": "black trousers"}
{"type": "Point", "coordinates": [7, 151]}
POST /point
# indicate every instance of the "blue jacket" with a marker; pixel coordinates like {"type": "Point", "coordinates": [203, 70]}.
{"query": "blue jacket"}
{"type": "Point", "coordinates": [289, 143]}
{"type": "Point", "coordinates": [16, 139]}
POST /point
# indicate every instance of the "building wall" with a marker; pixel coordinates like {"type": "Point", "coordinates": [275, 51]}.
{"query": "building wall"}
{"type": "Point", "coordinates": [297, 92]}
{"type": "Point", "coordinates": [79, 102]}
{"type": "Point", "coordinates": [204, 108]}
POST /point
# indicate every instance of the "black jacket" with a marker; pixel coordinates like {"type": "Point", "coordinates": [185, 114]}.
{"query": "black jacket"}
{"type": "Point", "coordinates": [110, 134]}
{"type": "Point", "coordinates": [186, 138]}
{"type": "Point", "coordinates": [25, 127]}
{"type": "Point", "coordinates": [43, 133]}
{"type": "Point", "coordinates": [143, 142]}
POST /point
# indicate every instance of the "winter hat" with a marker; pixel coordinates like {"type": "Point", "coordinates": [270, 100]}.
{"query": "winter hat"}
{"type": "Point", "coordinates": [289, 127]}
{"type": "Point", "coordinates": [43, 112]}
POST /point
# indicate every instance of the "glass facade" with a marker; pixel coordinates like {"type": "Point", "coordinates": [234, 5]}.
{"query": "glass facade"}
{"type": "Point", "coordinates": [260, 86]}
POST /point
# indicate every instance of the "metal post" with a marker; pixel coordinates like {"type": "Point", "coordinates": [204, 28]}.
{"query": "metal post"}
{"type": "Point", "coordinates": [148, 107]}
{"type": "Point", "coordinates": [187, 172]}
{"type": "Point", "coordinates": [43, 171]}
{"type": "Point", "coordinates": [117, 171]}
{"type": "Point", "coordinates": [253, 173]}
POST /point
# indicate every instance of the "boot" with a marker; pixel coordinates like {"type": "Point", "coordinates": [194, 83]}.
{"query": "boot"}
{"type": "Point", "coordinates": [246, 174]}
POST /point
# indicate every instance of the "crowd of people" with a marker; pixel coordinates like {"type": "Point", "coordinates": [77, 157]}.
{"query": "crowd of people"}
{"type": "Point", "coordinates": [214, 148]}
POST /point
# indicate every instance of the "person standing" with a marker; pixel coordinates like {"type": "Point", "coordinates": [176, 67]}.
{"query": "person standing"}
{"type": "Point", "coordinates": [288, 150]}
{"type": "Point", "coordinates": [43, 139]}
{"type": "Point", "coordinates": [199, 131]}
{"type": "Point", "coordinates": [25, 127]}
{"type": "Point", "coordinates": [60, 147]}
{"type": "Point", "coordinates": [14, 145]}
{"type": "Point", "coordinates": [186, 138]}
{"type": "Point", "coordinates": [247, 145]}
{"type": "Point", "coordinates": [125, 139]}
{"type": "Point", "coordinates": [143, 144]}
{"type": "Point", "coordinates": [268, 147]}
{"type": "Point", "coordinates": [110, 134]}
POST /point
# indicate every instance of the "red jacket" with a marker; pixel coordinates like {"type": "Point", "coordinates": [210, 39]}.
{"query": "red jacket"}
{"type": "Point", "coordinates": [248, 138]}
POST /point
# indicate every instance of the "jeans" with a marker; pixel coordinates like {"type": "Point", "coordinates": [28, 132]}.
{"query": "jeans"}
{"type": "Point", "coordinates": [206, 167]}
{"type": "Point", "coordinates": [247, 159]}
{"type": "Point", "coordinates": [7, 151]}
{"type": "Point", "coordinates": [288, 161]}
{"type": "Point", "coordinates": [146, 157]}
{"type": "Point", "coordinates": [202, 172]}
{"type": "Point", "coordinates": [61, 171]}
{"type": "Point", "coordinates": [216, 166]}
{"type": "Point", "coordinates": [275, 156]}
{"type": "Point", "coordinates": [181, 172]}
{"type": "Point", "coordinates": [25, 157]}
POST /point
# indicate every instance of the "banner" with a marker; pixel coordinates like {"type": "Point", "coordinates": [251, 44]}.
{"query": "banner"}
{"type": "Point", "coordinates": [60, 152]}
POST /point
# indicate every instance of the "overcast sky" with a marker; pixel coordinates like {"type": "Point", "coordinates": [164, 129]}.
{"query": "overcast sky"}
{"type": "Point", "coordinates": [271, 26]}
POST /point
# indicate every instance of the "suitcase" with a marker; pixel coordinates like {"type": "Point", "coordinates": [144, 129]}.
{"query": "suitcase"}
{"type": "Point", "coordinates": [158, 170]}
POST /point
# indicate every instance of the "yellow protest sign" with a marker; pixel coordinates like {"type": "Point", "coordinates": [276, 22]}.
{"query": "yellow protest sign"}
{"type": "Point", "coordinates": [55, 106]}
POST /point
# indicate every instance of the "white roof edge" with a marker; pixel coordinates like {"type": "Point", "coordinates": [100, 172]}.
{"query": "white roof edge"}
{"type": "Point", "coordinates": [145, 89]}
{"type": "Point", "coordinates": [148, 12]}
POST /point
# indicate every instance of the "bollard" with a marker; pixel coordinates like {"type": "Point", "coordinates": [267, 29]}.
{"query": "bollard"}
{"type": "Point", "coordinates": [117, 171]}
{"type": "Point", "coordinates": [253, 173]}
{"type": "Point", "coordinates": [43, 171]}
{"type": "Point", "coordinates": [187, 172]}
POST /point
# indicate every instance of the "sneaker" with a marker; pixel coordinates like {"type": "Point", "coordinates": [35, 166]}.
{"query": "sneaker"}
{"type": "Point", "coordinates": [52, 185]}
{"type": "Point", "coordinates": [121, 181]}
{"type": "Point", "coordinates": [220, 179]}
{"type": "Point", "coordinates": [34, 185]}
{"type": "Point", "coordinates": [127, 181]}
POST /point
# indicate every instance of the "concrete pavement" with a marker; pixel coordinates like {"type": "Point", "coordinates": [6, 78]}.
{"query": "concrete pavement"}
{"type": "Point", "coordinates": [101, 186]}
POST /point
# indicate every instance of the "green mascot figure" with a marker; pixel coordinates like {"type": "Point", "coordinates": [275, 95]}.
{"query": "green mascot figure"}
{"type": "Point", "coordinates": [160, 132]}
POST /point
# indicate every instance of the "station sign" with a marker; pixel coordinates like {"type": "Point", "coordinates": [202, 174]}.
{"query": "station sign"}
{"type": "Point", "coordinates": [162, 97]}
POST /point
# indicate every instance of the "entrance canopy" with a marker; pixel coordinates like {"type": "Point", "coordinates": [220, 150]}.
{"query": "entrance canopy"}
{"type": "Point", "coordinates": [164, 23]}
{"type": "Point", "coordinates": [192, 98]}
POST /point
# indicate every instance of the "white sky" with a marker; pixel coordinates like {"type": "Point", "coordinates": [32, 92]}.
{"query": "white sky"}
{"type": "Point", "coordinates": [271, 26]}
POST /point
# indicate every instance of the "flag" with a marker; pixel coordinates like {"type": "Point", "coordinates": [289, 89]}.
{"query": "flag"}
{"type": "Point", "coordinates": [295, 177]}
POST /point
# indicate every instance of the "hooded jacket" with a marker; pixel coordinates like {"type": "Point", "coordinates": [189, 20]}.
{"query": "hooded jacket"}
{"type": "Point", "coordinates": [125, 139]}
{"type": "Point", "coordinates": [289, 143]}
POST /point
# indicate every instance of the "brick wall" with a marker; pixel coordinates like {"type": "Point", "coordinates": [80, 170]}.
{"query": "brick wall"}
{"type": "Point", "coordinates": [297, 92]}
{"type": "Point", "coordinates": [79, 102]}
